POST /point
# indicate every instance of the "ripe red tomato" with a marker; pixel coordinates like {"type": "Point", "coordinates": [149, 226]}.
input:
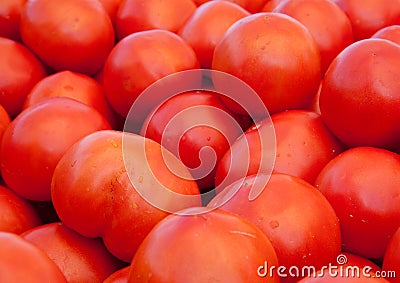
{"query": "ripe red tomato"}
{"type": "Point", "coordinates": [80, 259]}
{"type": "Point", "coordinates": [198, 128]}
{"type": "Point", "coordinates": [73, 85]}
{"type": "Point", "coordinates": [360, 94]}
{"type": "Point", "coordinates": [332, 35]}
{"type": "Point", "coordinates": [16, 214]}
{"type": "Point", "coordinates": [362, 186]}
{"type": "Point", "coordinates": [10, 16]}
{"type": "Point", "coordinates": [275, 55]}
{"type": "Point", "coordinates": [303, 147]}
{"type": "Point", "coordinates": [158, 53]}
{"type": "Point", "coordinates": [140, 15]}
{"type": "Point", "coordinates": [21, 261]}
{"type": "Point", "coordinates": [391, 33]}
{"type": "Point", "coordinates": [110, 170]}
{"type": "Point", "coordinates": [300, 223]}
{"type": "Point", "coordinates": [119, 276]}
{"type": "Point", "coordinates": [369, 16]}
{"type": "Point", "coordinates": [207, 25]}
{"type": "Point", "coordinates": [35, 141]}
{"type": "Point", "coordinates": [76, 35]}
{"type": "Point", "coordinates": [216, 246]}
{"type": "Point", "coordinates": [20, 71]}
{"type": "Point", "coordinates": [391, 260]}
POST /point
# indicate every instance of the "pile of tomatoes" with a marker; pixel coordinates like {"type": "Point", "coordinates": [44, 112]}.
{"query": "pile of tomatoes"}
{"type": "Point", "coordinates": [200, 141]}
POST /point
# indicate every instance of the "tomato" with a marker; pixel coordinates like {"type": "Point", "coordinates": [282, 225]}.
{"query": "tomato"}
{"type": "Point", "coordinates": [73, 85]}
{"type": "Point", "coordinates": [368, 16]}
{"type": "Point", "coordinates": [20, 71]}
{"type": "Point", "coordinates": [16, 214]}
{"type": "Point", "coordinates": [331, 36]}
{"type": "Point", "coordinates": [216, 246]}
{"type": "Point", "coordinates": [275, 55]}
{"type": "Point", "coordinates": [360, 94]}
{"type": "Point", "coordinates": [207, 25]}
{"type": "Point", "coordinates": [76, 35]}
{"type": "Point", "coordinates": [119, 276]}
{"type": "Point", "coordinates": [253, 6]}
{"type": "Point", "coordinates": [34, 142]}
{"type": "Point", "coordinates": [158, 53]}
{"type": "Point", "coordinates": [139, 15]}
{"type": "Point", "coordinates": [303, 147]}
{"type": "Point", "coordinates": [391, 33]}
{"type": "Point", "coordinates": [198, 128]}
{"type": "Point", "coordinates": [5, 120]}
{"type": "Point", "coordinates": [391, 259]}
{"type": "Point", "coordinates": [112, 170]}
{"type": "Point", "coordinates": [21, 261]}
{"type": "Point", "coordinates": [300, 223]}
{"type": "Point", "coordinates": [362, 186]}
{"type": "Point", "coordinates": [80, 259]}
{"type": "Point", "coordinates": [10, 16]}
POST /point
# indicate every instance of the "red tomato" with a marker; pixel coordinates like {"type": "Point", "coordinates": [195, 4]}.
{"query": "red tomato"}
{"type": "Point", "coordinates": [73, 85]}
{"type": "Point", "coordinates": [198, 128]}
{"type": "Point", "coordinates": [21, 261]}
{"type": "Point", "coordinates": [253, 6]}
{"type": "Point", "coordinates": [158, 53]}
{"type": "Point", "coordinates": [5, 120]}
{"type": "Point", "coordinates": [369, 16]}
{"type": "Point", "coordinates": [10, 17]}
{"type": "Point", "coordinates": [303, 147]}
{"type": "Point", "coordinates": [360, 94]}
{"type": "Point", "coordinates": [20, 70]}
{"type": "Point", "coordinates": [332, 35]}
{"type": "Point", "coordinates": [108, 169]}
{"type": "Point", "coordinates": [80, 259]}
{"type": "Point", "coordinates": [68, 34]}
{"type": "Point", "coordinates": [35, 141]}
{"type": "Point", "coordinates": [300, 223]}
{"type": "Point", "coordinates": [275, 55]}
{"type": "Point", "coordinates": [16, 214]}
{"type": "Point", "coordinates": [119, 276]}
{"type": "Point", "coordinates": [216, 246]}
{"type": "Point", "coordinates": [391, 260]}
{"type": "Point", "coordinates": [362, 186]}
{"type": "Point", "coordinates": [391, 33]}
{"type": "Point", "coordinates": [207, 25]}
{"type": "Point", "coordinates": [139, 15]}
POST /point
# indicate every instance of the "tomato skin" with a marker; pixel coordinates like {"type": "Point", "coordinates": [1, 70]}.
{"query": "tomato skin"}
{"type": "Point", "coordinates": [360, 94]}
{"type": "Point", "coordinates": [304, 146]}
{"type": "Point", "coordinates": [111, 7]}
{"type": "Point", "coordinates": [74, 43]}
{"type": "Point", "coordinates": [138, 15]}
{"type": "Point", "coordinates": [331, 36]}
{"type": "Point", "coordinates": [18, 75]}
{"type": "Point", "coordinates": [36, 266]}
{"type": "Point", "coordinates": [16, 214]}
{"type": "Point", "coordinates": [207, 25]}
{"type": "Point", "coordinates": [10, 16]}
{"type": "Point", "coordinates": [119, 276]}
{"type": "Point", "coordinates": [368, 16]}
{"type": "Point", "coordinates": [73, 85]}
{"type": "Point", "coordinates": [158, 53]}
{"type": "Point", "coordinates": [188, 123]}
{"type": "Point", "coordinates": [80, 259]}
{"type": "Point", "coordinates": [253, 6]}
{"type": "Point", "coordinates": [93, 171]}
{"type": "Point", "coordinates": [300, 223]}
{"type": "Point", "coordinates": [34, 142]}
{"type": "Point", "coordinates": [391, 33]}
{"type": "Point", "coordinates": [275, 55]}
{"type": "Point", "coordinates": [391, 260]}
{"type": "Point", "coordinates": [5, 120]}
{"type": "Point", "coordinates": [362, 186]}
{"type": "Point", "coordinates": [270, 5]}
{"type": "Point", "coordinates": [164, 255]}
